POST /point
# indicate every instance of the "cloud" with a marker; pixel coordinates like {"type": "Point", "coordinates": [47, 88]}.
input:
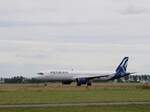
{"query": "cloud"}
{"type": "Point", "coordinates": [51, 24]}
{"type": "Point", "coordinates": [133, 10]}
{"type": "Point", "coordinates": [82, 34]}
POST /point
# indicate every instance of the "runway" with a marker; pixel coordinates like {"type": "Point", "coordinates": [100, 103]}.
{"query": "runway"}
{"type": "Point", "coordinates": [72, 104]}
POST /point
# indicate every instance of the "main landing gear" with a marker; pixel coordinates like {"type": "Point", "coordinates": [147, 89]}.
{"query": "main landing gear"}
{"type": "Point", "coordinates": [88, 84]}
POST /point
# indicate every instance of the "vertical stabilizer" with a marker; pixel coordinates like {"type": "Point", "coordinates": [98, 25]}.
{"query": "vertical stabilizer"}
{"type": "Point", "coordinates": [121, 69]}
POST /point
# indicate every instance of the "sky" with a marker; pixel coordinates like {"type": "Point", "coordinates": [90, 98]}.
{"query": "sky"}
{"type": "Point", "coordinates": [40, 35]}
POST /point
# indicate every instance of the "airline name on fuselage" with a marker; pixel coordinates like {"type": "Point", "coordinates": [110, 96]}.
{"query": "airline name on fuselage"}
{"type": "Point", "coordinates": [58, 72]}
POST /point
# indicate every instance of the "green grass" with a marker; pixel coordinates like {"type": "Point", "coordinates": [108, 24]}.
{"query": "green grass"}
{"type": "Point", "coordinates": [129, 108]}
{"type": "Point", "coordinates": [25, 95]}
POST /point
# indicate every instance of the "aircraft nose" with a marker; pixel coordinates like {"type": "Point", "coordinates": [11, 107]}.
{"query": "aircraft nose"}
{"type": "Point", "coordinates": [40, 76]}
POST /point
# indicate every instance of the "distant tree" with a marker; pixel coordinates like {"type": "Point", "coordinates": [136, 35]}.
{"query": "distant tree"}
{"type": "Point", "coordinates": [16, 79]}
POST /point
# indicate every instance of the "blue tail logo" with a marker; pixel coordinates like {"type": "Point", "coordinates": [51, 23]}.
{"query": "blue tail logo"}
{"type": "Point", "coordinates": [121, 69]}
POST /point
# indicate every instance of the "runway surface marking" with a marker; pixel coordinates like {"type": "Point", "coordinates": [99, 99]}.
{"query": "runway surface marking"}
{"type": "Point", "coordinates": [72, 104]}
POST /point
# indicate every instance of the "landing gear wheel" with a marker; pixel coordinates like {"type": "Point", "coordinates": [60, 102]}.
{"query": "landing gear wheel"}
{"type": "Point", "coordinates": [45, 84]}
{"type": "Point", "coordinates": [78, 84]}
{"type": "Point", "coordinates": [89, 84]}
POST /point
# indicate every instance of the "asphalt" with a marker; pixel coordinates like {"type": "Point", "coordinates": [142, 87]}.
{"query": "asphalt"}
{"type": "Point", "coordinates": [72, 104]}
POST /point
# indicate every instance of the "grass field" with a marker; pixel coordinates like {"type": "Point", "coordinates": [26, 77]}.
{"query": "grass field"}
{"type": "Point", "coordinates": [107, 92]}
{"type": "Point", "coordinates": [129, 108]}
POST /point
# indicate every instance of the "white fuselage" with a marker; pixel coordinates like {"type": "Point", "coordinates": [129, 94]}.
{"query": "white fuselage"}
{"type": "Point", "coordinates": [73, 75]}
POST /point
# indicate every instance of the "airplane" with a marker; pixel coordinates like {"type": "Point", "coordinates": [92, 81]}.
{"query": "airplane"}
{"type": "Point", "coordinates": [85, 77]}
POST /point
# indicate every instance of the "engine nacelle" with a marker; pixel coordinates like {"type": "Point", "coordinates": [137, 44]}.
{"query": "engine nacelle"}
{"type": "Point", "coordinates": [82, 81]}
{"type": "Point", "coordinates": [67, 82]}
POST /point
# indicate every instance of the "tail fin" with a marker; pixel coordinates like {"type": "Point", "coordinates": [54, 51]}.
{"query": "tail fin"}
{"type": "Point", "coordinates": [121, 69]}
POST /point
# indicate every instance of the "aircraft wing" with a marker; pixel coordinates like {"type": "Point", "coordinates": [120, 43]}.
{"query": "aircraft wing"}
{"type": "Point", "coordinates": [93, 76]}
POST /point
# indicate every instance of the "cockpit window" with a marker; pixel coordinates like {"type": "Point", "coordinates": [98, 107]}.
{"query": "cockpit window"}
{"type": "Point", "coordinates": [40, 73]}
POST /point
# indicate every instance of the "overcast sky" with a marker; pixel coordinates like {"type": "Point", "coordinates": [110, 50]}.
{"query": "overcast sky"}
{"type": "Point", "coordinates": [38, 35]}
